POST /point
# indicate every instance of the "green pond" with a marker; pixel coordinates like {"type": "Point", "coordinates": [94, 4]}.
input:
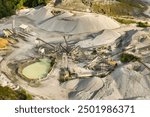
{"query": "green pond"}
{"type": "Point", "coordinates": [37, 70]}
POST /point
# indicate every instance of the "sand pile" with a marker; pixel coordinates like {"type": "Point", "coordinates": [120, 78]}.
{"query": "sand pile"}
{"type": "Point", "coordinates": [79, 24]}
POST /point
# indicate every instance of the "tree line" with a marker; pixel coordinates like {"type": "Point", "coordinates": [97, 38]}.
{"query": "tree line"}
{"type": "Point", "coordinates": [8, 7]}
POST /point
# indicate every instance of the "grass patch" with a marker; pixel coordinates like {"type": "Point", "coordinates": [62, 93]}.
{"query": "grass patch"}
{"type": "Point", "coordinates": [132, 21]}
{"type": "Point", "coordinates": [125, 21]}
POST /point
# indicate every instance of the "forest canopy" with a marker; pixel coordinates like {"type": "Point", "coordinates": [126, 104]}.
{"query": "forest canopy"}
{"type": "Point", "coordinates": [8, 7]}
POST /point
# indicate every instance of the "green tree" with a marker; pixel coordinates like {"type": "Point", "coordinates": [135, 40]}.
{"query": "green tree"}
{"type": "Point", "coordinates": [8, 7]}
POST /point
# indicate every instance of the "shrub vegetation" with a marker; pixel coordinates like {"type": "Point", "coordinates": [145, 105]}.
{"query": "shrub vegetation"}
{"type": "Point", "coordinates": [8, 7]}
{"type": "Point", "coordinates": [125, 58]}
{"type": "Point", "coordinates": [7, 93]}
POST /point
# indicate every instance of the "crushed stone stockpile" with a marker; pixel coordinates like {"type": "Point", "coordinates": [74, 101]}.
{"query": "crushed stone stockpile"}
{"type": "Point", "coordinates": [107, 37]}
{"type": "Point", "coordinates": [66, 23]}
{"type": "Point", "coordinates": [142, 37]}
{"type": "Point", "coordinates": [123, 83]}
{"type": "Point", "coordinates": [132, 83]}
{"type": "Point", "coordinates": [146, 1]}
{"type": "Point", "coordinates": [83, 88]}
{"type": "Point", "coordinates": [39, 14]}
